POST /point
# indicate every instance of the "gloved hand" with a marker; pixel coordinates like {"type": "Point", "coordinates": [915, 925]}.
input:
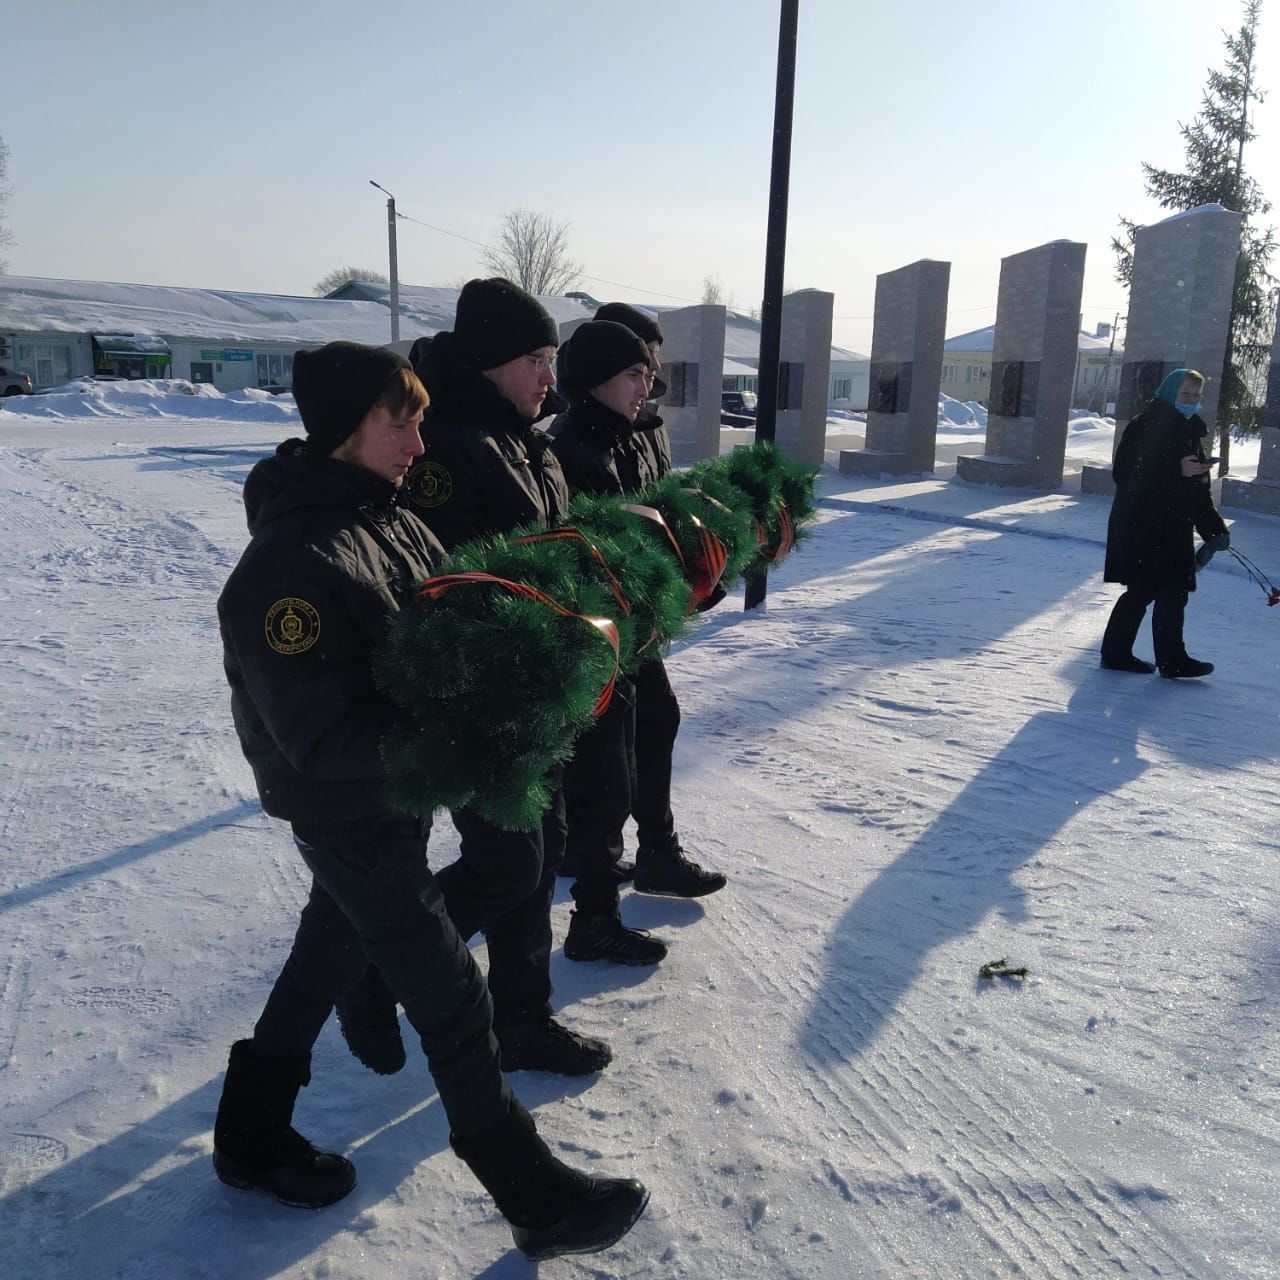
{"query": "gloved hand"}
{"type": "Point", "coordinates": [1219, 542]}
{"type": "Point", "coordinates": [713, 599]}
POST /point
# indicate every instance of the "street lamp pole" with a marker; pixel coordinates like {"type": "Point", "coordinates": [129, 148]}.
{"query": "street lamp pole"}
{"type": "Point", "coordinates": [775, 249]}
{"type": "Point", "coordinates": [391, 255]}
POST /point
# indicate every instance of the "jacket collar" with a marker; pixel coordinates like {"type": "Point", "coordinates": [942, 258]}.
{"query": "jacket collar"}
{"type": "Point", "coordinates": [598, 420]}
{"type": "Point", "coordinates": [292, 479]}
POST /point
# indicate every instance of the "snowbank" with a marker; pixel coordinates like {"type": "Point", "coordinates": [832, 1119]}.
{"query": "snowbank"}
{"type": "Point", "coordinates": [154, 398]}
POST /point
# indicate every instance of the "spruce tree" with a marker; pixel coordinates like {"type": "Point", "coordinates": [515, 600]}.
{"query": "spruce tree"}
{"type": "Point", "coordinates": [1215, 174]}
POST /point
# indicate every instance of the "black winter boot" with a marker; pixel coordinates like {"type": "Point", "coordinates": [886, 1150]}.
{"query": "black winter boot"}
{"type": "Point", "coordinates": [552, 1208]}
{"type": "Point", "coordinates": [603, 936]}
{"type": "Point", "coordinates": [1127, 662]}
{"type": "Point", "coordinates": [255, 1147]}
{"type": "Point", "coordinates": [1185, 668]}
{"type": "Point", "coordinates": [624, 869]}
{"type": "Point", "coordinates": [668, 871]}
{"type": "Point", "coordinates": [370, 1023]}
{"type": "Point", "coordinates": [542, 1044]}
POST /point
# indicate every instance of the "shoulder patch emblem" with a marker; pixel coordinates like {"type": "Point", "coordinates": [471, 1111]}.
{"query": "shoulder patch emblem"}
{"type": "Point", "coordinates": [292, 625]}
{"type": "Point", "coordinates": [430, 485]}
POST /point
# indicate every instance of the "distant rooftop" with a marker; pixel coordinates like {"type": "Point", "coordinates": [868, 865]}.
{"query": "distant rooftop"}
{"type": "Point", "coordinates": [357, 312]}
{"type": "Point", "coordinates": [984, 340]}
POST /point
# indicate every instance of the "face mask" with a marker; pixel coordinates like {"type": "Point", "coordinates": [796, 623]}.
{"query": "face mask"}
{"type": "Point", "coordinates": [1188, 410]}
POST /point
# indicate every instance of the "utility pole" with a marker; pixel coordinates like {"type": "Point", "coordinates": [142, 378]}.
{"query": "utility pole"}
{"type": "Point", "coordinates": [1106, 378]}
{"type": "Point", "coordinates": [394, 272]}
{"type": "Point", "coordinates": [775, 254]}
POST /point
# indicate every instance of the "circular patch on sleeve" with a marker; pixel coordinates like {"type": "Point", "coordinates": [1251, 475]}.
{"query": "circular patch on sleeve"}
{"type": "Point", "coordinates": [292, 625]}
{"type": "Point", "coordinates": [430, 484]}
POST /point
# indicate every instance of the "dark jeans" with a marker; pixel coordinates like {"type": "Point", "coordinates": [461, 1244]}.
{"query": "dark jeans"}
{"type": "Point", "coordinates": [597, 800]}
{"type": "Point", "coordinates": [502, 885]}
{"type": "Point", "coordinates": [657, 723]}
{"type": "Point", "coordinates": [1166, 624]}
{"type": "Point", "coordinates": [373, 896]}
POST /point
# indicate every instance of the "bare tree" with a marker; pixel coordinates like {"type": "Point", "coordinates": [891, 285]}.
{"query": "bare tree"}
{"type": "Point", "coordinates": [712, 291]}
{"type": "Point", "coordinates": [6, 236]}
{"type": "Point", "coordinates": [345, 275]}
{"type": "Point", "coordinates": [532, 249]}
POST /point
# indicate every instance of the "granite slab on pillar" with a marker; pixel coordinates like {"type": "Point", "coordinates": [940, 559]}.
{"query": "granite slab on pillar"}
{"type": "Point", "coordinates": [693, 368]}
{"type": "Point", "coordinates": [1271, 409]}
{"type": "Point", "coordinates": [906, 372]}
{"type": "Point", "coordinates": [1033, 364]}
{"type": "Point", "coordinates": [805, 375]}
{"type": "Point", "coordinates": [1179, 309]}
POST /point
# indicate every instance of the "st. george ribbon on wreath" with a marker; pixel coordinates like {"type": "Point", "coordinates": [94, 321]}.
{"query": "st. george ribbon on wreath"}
{"type": "Point", "coordinates": [504, 658]}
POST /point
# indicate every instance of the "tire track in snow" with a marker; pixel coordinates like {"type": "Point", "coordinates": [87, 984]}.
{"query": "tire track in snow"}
{"type": "Point", "coordinates": [906, 1081]}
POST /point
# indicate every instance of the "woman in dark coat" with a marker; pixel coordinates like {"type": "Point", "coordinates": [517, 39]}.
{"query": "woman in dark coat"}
{"type": "Point", "coordinates": [1161, 472]}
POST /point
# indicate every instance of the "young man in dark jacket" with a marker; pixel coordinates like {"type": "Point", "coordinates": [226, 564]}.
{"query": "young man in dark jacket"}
{"type": "Point", "coordinates": [333, 555]}
{"type": "Point", "coordinates": [1162, 494]}
{"type": "Point", "coordinates": [487, 469]}
{"type": "Point", "coordinates": [661, 865]}
{"type": "Point", "coordinates": [605, 371]}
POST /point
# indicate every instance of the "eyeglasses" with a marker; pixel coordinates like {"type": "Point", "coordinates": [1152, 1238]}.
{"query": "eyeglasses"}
{"type": "Point", "coordinates": [543, 364]}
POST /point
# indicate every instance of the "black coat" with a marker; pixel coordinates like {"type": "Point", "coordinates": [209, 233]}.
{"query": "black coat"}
{"type": "Point", "coordinates": [602, 453]}
{"type": "Point", "coordinates": [1156, 508]}
{"type": "Point", "coordinates": [332, 558]}
{"type": "Point", "coordinates": [486, 469]}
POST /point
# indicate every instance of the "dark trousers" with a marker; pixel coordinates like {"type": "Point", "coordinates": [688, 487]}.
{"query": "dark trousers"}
{"type": "Point", "coordinates": [1166, 623]}
{"type": "Point", "coordinates": [657, 723]}
{"type": "Point", "coordinates": [502, 885]}
{"type": "Point", "coordinates": [373, 898]}
{"type": "Point", "coordinates": [597, 801]}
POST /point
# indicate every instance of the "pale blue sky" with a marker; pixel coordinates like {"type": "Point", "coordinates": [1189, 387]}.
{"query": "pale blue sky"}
{"type": "Point", "coordinates": [230, 145]}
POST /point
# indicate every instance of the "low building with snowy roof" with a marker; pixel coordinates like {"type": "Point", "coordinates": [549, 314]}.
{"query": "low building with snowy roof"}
{"type": "Point", "coordinates": [966, 368]}
{"type": "Point", "coordinates": [57, 330]}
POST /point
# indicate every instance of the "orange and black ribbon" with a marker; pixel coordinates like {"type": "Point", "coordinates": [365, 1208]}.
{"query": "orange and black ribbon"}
{"type": "Point", "coordinates": [434, 588]}
{"type": "Point", "coordinates": [710, 557]}
{"type": "Point", "coordinates": [786, 537]}
{"type": "Point", "coordinates": [564, 532]}
{"type": "Point", "coordinates": [709, 563]}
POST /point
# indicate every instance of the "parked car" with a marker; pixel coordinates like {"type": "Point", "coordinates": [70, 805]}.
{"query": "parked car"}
{"type": "Point", "coordinates": [740, 402]}
{"type": "Point", "coordinates": [14, 383]}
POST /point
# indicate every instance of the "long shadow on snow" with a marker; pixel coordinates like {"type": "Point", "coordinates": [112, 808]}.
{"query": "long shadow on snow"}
{"type": "Point", "coordinates": [910, 616]}
{"type": "Point", "coordinates": [85, 1218]}
{"type": "Point", "coordinates": [963, 865]}
{"type": "Point", "coordinates": [74, 876]}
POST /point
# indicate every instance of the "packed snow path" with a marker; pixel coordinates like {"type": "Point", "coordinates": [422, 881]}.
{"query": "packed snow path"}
{"type": "Point", "coordinates": [909, 764]}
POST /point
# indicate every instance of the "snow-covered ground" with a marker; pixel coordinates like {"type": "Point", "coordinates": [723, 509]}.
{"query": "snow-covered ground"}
{"type": "Point", "coordinates": [909, 763]}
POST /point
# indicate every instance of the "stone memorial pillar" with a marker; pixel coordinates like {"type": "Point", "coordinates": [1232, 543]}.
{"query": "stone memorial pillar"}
{"type": "Point", "coordinates": [906, 371]}
{"type": "Point", "coordinates": [1179, 306]}
{"type": "Point", "coordinates": [1271, 410]}
{"type": "Point", "coordinates": [693, 369]}
{"type": "Point", "coordinates": [804, 376]}
{"type": "Point", "coordinates": [1262, 494]}
{"type": "Point", "coordinates": [1033, 366]}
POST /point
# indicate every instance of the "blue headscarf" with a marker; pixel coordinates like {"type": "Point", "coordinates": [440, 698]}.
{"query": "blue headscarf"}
{"type": "Point", "coordinates": [1168, 389]}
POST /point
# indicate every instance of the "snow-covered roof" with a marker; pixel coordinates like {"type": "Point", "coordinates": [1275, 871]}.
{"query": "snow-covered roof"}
{"type": "Point", "coordinates": [984, 340]}
{"type": "Point", "coordinates": [357, 312]}
{"type": "Point", "coordinates": [32, 304]}
{"type": "Point", "coordinates": [434, 308]}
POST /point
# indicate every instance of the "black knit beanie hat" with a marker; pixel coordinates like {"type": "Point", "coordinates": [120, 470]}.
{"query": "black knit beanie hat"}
{"type": "Point", "coordinates": [497, 321]}
{"type": "Point", "coordinates": [639, 322]}
{"type": "Point", "coordinates": [596, 351]}
{"type": "Point", "coordinates": [334, 386]}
